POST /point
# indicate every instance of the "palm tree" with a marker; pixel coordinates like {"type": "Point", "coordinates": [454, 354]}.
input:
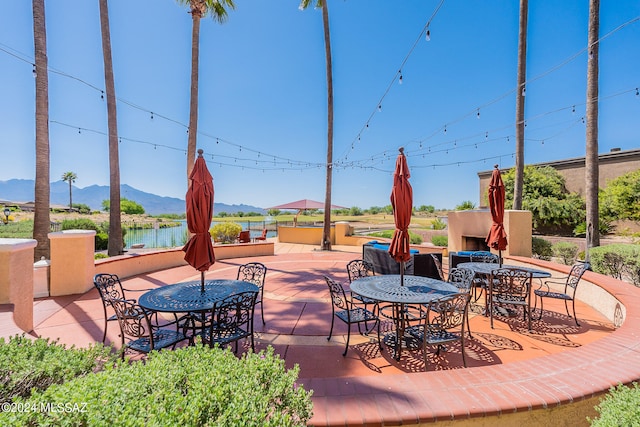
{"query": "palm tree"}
{"type": "Point", "coordinates": [591, 157]}
{"type": "Point", "coordinates": [199, 8]}
{"type": "Point", "coordinates": [522, 77]}
{"type": "Point", "coordinates": [326, 233]}
{"type": "Point", "coordinates": [41, 219]}
{"type": "Point", "coordinates": [71, 178]}
{"type": "Point", "coordinates": [115, 245]}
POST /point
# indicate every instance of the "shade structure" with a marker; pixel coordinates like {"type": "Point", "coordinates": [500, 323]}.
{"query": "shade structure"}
{"type": "Point", "coordinates": [402, 204]}
{"type": "Point", "coordinates": [199, 249]}
{"type": "Point", "coordinates": [303, 205]}
{"type": "Point", "coordinates": [497, 238]}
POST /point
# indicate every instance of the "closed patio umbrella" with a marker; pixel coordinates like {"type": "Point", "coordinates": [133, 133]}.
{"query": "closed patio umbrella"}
{"type": "Point", "coordinates": [497, 238]}
{"type": "Point", "coordinates": [199, 199]}
{"type": "Point", "coordinates": [402, 204]}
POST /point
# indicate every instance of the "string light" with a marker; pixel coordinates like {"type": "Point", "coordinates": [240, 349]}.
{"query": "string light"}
{"type": "Point", "coordinates": [34, 72]}
{"type": "Point", "coordinates": [379, 107]}
{"type": "Point", "coordinates": [428, 35]}
{"type": "Point", "coordinates": [478, 113]}
{"type": "Point", "coordinates": [524, 91]}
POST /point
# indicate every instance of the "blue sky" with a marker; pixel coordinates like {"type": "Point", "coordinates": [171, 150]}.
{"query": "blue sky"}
{"type": "Point", "coordinates": [262, 117]}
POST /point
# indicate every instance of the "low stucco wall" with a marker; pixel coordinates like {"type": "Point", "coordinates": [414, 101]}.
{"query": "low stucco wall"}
{"type": "Point", "coordinates": [16, 279]}
{"type": "Point", "coordinates": [143, 262]}
{"type": "Point", "coordinates": [303, 235]}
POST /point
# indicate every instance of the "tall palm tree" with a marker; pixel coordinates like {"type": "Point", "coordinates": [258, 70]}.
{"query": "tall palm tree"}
{"type": "Point", "coordinates": [326, 233]}
{"type": "Point", "coordinates": [591, 157]}
{"type": "Point", "coordinates": [115, 245]}
{"type": "Point", "coordinates": [199, 8]}
{"type": "Point", "coordinates": [71, 178]}
{"type": "Point", "coordinates": [522, 77]}
{"type": "Point", "coordinates": [42, 218]}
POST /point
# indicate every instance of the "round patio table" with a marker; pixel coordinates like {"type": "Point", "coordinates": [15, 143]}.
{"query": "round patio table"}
{"type": "Point", "coordinates": [413, 290]}
{"type": "Point", "coordinates": [187, 297]}
{"type": "Point", "coordinates": [488, 267]}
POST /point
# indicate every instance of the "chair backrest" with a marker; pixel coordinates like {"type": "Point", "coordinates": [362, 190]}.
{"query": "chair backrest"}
{"type": "Point", "coordinates": [264, 234]}
{"type": "Point", "coordinates": [577, 270]}
{"type": "Point", "coordinates": [511, 283]}
{"type": "Point", "coordinates": [109, 287]}
{"type": "Point", "coordinates": [461, 278]}
{"type": "Point", "coordinates": [359, 268]}
{"type": "Point", "coordinates": [448, 312]}
{"type": "Point", "coordinates": [253, 272]}
{"type": "Point", "coordinates": [133, 319]}
{"type": "Point", "coordinates": [438, 265]}
{"type": "Point", "coordinates": [484, 257]}
{"type": "Point", "coordinates": [338, 296]}
{"type": "Point", "coordinates": [244, 237]}
{"type": "Point", "coordinates": [233, 312]}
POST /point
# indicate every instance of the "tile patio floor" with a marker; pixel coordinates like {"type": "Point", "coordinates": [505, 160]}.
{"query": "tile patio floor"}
{"type": "Point", "coordinates": [297, 312]}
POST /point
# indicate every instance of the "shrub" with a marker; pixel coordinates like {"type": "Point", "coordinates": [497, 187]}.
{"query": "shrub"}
{"type": "Point", "coordinates": [79, 224]}
{"type": "Point", "coordinates": [566, 251]}
{"type": "Point", "coordinates": [440, 240]}
{"type": "Point", "coordinates": [541, 248]}
{"type": "Point", "coordinates": [102, 241]}
{"type": "Point", "coordinates": [438, 224]}
{"type": "Point", "coordinates": [618, 260]}
{"type": "Point", "coordinates": [190, 386]}
{"type": "Point", "coordinates": [27, 364]}
{"type": "Point", "coordinates": [619, 407]}
{"type": "Point", "coordinates": [465, 206]}
{"type": "Point", "coordinates": [100, 255]}
{"type": "Point", "coordinates": [225, 232]}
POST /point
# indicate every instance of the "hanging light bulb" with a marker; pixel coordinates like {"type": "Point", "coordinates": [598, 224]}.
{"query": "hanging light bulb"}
{"type": "Point", "coordinates": [478, 113]}
{"type": "Point", "coordinates": [524, 90]}
{"type": "Point", "coordinates": [445, 129]}
{"type": "Point", "coordinates": [428, 35]}
{"type": "Point", "coordinates": [573, 109]}
{"type": "Point", "coordinates": [637, 93]}
{"type": "Point", "coordinates": [380, 107]}
{"type": "Point", "coordinates": [101, 94]}
{"type": "Point", "coordinates": [152, 115]}
{"type": "Point", "coordinates": [400, 79]}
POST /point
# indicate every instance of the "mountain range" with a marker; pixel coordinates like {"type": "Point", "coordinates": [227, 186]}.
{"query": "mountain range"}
{"type": "Point", "coordinates": [22, 190]}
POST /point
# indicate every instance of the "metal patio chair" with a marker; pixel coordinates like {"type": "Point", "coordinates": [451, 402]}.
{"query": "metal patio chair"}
{"type": "Point", "coordinates": [570, 282]}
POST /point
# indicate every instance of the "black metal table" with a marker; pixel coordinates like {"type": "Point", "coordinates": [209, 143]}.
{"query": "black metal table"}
{"type": "Point", "coordinates": [413, 290]}
{"type": "Point", "coordinates": [188, 297]}
{"type": "Point", "coordinates": [488, 267]}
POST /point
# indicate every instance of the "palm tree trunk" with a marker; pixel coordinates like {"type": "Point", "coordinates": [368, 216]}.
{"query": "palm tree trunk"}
{"type": "Point", "coordinates": [326, 233]}
{"type": "Point", "coordinates": [193, 106]}
{"type": "Point", "coordinates": [520, 93]}
{"type": "Point", "coordinates": [591, 157]}
{"type": "Point", "coordinates": [70, 199]}
{"type": "Point", "coordinates": [42, 218]}
{"type": "Point", "coordinates": [116, 245]}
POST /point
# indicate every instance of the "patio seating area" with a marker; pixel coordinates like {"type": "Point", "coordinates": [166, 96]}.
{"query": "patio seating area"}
{"type": "Point", "coordinates": [510, 370]}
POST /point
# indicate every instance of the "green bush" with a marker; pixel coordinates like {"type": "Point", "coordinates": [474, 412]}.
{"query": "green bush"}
{"type": "Point", "coordinates": [440, 240]}
{"type": "Point", "coordinates": [27, 364]}
{"type": "Point", "coordinates": [541, 249]}
{"type": "Point", "coordinates": [100, 255]}
{"type": "Point", "coordinates": [190, 386]}
{"type": "Point", "coordinates": [618, 260]}
{"type": "Point", "coordinates": [619, 407]}
{"type": "Point", "coordinates": [102, 241]}
{"type": "Point", "coordinates": [79, 224]}
{"type": "Point", "coordinates": [566, 251]}
{"type": "Point", "coordinates": [438, 224]}
{"type": "Point", "coordinates": [225, 232]}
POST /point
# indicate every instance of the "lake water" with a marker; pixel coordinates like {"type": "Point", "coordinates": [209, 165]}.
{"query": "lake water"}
{"type": "Point", "coordinates": [170, 237]}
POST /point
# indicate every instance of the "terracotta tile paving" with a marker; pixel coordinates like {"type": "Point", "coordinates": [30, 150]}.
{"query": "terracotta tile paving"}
{"type": "Point", "coordinates": [509, 368]}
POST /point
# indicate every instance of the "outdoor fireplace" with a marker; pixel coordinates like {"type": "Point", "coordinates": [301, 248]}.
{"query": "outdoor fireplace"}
{"type": "Point", "coordinates": [469, 229]}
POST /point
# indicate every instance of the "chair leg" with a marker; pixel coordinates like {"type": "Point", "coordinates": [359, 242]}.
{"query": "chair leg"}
{"type": "Point", "coordinates": [262, 312]}
{"type": "Point", "coordinates": [331, 330]}
{"type": "Point", "coordinates": [106, 320]}
{"type": "Point", "coordinates": [346, 347]}
{"type": "Point", "coordinates": [464, 359]}
{"type": "Point", "coordinates": [573, 303]}
{"type": "Point", "coordinates": [535, 304]}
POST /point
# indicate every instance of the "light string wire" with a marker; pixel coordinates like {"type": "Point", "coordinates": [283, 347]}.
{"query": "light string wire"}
{"type": "Point", "coordinates": [279, 160]}
{"type": "Point", "coordinates": [476, 110]}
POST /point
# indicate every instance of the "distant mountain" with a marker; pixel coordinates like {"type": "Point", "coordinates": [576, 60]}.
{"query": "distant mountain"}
{"type": "Point", "coordinates": [22, 190]}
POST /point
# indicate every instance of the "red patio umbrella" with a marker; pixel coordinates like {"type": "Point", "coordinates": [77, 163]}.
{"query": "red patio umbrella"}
{"type": "Point", "coordinates": [402, 203]}
{"type": "Point", "coordinates": [497, 238]}
{"type": "Point", "coordinates": [199, 250]}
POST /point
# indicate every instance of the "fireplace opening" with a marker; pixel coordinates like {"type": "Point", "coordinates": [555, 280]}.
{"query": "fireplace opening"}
{"type": "Point", "coordinates": [474, 243]}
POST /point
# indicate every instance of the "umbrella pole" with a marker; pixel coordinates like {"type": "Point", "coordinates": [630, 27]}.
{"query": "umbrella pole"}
{"type": "Point", "coordinates": [401, 273]}
{"type": "Point", "coordinates": [202, 281]}
{"type": "Point", "coordinates": [499, 258]}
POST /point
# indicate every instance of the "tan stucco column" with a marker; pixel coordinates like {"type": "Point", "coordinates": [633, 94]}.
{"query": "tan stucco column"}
{"type": "Point", "coordinates": [72, 261]}
{"type": "Point", "coordinates": [16, 279]}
